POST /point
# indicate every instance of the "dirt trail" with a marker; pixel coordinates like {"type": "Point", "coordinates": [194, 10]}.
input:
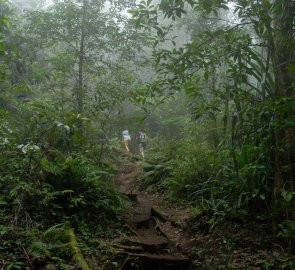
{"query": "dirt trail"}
{"type": "Point", "coordinates": [161, 236]}
{"type": "Point", "coordinates": [153, 237]}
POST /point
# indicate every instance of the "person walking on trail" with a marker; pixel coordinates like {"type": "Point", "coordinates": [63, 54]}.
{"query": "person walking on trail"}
{"type": "Point", "coordinates": [126, 139]}
{"type": "Point", "coordinates": [142, 142]}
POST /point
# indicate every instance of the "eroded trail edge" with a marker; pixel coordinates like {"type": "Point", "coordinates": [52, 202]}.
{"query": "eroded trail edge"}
{"type": "Point", "coordinates": [151, 239]}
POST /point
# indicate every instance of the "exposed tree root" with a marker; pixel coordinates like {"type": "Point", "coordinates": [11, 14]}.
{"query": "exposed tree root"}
{"type": "Point", "coordinates": [148, 246]}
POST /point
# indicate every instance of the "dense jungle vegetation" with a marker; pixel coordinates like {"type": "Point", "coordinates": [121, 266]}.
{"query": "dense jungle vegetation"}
{"type": "Point", "coordinates": [210, 81]}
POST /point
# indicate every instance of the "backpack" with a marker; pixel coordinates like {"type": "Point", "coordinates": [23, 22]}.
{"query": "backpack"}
{"type": "Point", "coordinates": [142, 137]}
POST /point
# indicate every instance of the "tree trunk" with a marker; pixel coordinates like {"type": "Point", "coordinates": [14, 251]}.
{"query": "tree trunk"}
{"type": "Point", "coordinates": [282, 46]}
{"type": "Point", "coordinates": [215, 135]}
{"type": "Point", "coordinates": [80, 89]}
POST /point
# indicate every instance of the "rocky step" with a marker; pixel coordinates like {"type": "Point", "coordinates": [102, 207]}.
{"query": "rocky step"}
{"type": "Point", "coordinates": [149, 248]}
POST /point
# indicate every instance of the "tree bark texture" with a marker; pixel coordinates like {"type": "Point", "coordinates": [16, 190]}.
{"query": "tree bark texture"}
{"type": "Point", "coordinates": [282, 48]}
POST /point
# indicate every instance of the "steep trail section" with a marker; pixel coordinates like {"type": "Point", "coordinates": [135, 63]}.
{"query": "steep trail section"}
{"type": "Point", "coordinates": [151, 240]}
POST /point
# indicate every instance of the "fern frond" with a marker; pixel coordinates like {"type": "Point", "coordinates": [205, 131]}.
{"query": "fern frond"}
{"type": "Point", "coordinates": [56, 234]}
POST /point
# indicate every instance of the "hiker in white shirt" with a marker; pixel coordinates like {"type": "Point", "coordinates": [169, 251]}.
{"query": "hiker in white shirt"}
{"type": "Point", "coordinates": [126, 139]}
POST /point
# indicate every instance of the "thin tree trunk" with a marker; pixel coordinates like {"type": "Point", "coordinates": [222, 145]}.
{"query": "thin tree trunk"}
{"type": "Point", "coordinates": [80, 90]}
{"type": "Point", "coordinates": [215, 136]}
{"type": "Point", "coordinates": [226, 114]}
{"type": "Point", "coordinates": [263, 86]}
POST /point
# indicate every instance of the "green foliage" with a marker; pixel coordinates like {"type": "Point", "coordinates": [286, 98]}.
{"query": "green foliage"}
{"type": "Point", "coordinates": [109, 43]}
{"type": "Point", "coordinates": [235, 89]}
{"type": "Point", "coordinates": [192, 162]}
{"type": "Point", "coordinates": [46, 179]}
{"type": "Point", "coordinates": [195, 172]}
{"type": "Point", "coordinates": [221, 146]}
{"type": "Point", "coordinates": [287, 229]}
{"type": "Point", "coordinates": [57, 243]}
{"type": "Point", "coordinates": [82, 186]}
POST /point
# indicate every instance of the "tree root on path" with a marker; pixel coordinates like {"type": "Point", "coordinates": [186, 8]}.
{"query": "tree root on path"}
{"type": "Point", "coordinates": [132, 230]}
{"type": "Point", "coordinates": [145, 246]}
{"type": "Point", "coordinates": [158, 261]}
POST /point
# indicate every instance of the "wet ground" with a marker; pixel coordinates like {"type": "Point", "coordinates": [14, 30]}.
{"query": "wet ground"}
{"type": "Point", "coordinates": [152, 239]}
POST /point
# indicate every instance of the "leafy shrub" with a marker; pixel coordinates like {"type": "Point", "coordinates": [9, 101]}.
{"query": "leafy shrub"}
{"type": "Point", "coordinates": [84, 189]}
{"type": "Point", "coordinates": [42, 183]}
{"type": "Point", "coordinates": [180, 168]}
{"type": "Point", "coordinates": [222, 180]}
{"type": "Point", "coordinates": [193, 165]}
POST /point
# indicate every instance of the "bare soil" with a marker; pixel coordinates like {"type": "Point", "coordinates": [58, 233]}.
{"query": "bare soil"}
{"type": "Point", "coordinates": [152, 240]}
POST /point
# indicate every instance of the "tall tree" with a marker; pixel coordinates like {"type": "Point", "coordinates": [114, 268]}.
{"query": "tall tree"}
{"type": "Point", "coordinates": [88, 47]}
{"type": "Point", "coordinates": [259, 84]}
{"type": "Point", "coordinates": [81, 60]}
{"type": "Point", "coordinates": [282, 46]}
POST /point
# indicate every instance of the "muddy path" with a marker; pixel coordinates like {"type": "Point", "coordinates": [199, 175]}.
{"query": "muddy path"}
{"type": "Point", "coordinates": [159, 235]}
{"type": "Point", "coordinates": [153, 233]}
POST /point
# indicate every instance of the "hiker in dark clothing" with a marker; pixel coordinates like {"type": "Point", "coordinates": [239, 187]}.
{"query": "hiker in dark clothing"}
{"type": "Point", "coordinates": [142, 142]}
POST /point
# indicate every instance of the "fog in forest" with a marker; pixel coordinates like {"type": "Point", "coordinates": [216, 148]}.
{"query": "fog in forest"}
{"type": "Point", "coordinates": [147, 134]}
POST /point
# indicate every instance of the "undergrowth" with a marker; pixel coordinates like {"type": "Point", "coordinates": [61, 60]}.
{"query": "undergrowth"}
{"type": "Point", "coordinates": [55, 202]}
{"type": "Point", "coordinates": [219, 184]}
